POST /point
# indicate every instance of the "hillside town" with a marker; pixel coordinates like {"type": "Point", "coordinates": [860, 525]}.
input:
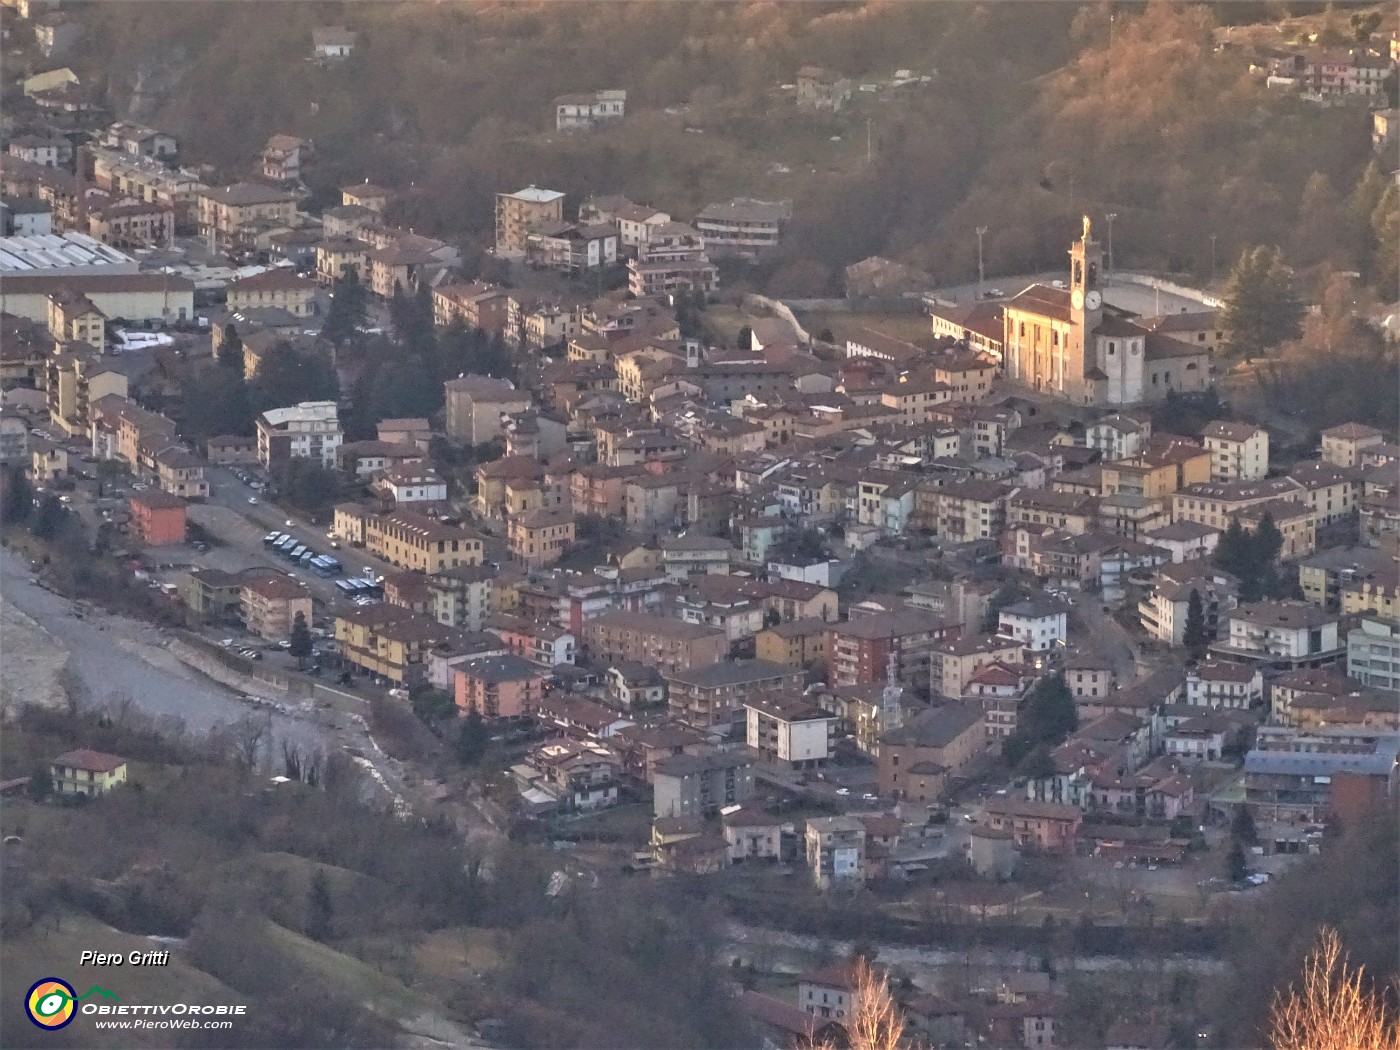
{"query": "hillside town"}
{"type": "Point", "coordinates": [935, 599]}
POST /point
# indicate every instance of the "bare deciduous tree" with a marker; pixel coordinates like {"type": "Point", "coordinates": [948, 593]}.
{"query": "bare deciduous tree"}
{"type": "Point", "coordinates": [1333, 1006]}
{"type": "Point", "coordinates": [876, 1022]}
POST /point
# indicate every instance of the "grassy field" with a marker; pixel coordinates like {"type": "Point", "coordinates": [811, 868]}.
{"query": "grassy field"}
{"type": "Point", "coordinates": [897, 326]}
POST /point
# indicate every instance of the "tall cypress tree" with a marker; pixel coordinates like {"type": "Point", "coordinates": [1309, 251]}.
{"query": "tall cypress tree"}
{"type": "Point", "coordinates": [1196, 636]}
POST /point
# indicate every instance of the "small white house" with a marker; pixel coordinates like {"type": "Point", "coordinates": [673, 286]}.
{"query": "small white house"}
{"type": "Point", "coordinates": [1039, 624]}
{"type": "Point", "coordinates": [332, 42]}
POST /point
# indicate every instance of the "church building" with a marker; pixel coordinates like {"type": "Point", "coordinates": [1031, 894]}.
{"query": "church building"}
{"type": "Point", "coordinates": [1064, 342]}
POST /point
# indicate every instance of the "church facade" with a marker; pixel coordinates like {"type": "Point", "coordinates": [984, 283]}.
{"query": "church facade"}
{"type": "Point", "coordinates": [1063, 342]}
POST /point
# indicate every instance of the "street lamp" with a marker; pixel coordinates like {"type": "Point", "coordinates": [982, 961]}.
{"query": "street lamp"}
{"type": "Point", "coordinates": [1110, 217]}
{"type": "Point", "coordinates": [981, 276]}
{"type": "Point", "coordinates": [1212, 258]}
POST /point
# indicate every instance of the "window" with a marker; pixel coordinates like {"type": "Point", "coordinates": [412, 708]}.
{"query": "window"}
{"type": "Point", "coordinates": [1112, 348]}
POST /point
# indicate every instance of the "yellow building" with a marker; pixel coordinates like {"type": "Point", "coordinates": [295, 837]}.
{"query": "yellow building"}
{"type": "Point", "coordinates": [333, 256]}
{"type": "Point", "coordinates": [541, 537]}
{"type": "Point", "coordinates": [799, 643]}
{"type": "Point", "coordinates": [389, 643]}
{"type": "Point", "coordinates": [224, 213]}
{"type": "Point", "coordinates": [1371, 595]}
{"type": "Point", "coordinates": [86, 772]}
{"type": "Point", "coordinates": [74, 319]}
{"type": "Point", "coordinates": [409, 540]}
{"type": "Point", "coordinates": [73, 382]}
{"type": "Point", "coordinates": [365, 195]}
{"type": "Point", "coordinates": [520, 212]}
{"type": "Point", "coordinates": [282, 288]}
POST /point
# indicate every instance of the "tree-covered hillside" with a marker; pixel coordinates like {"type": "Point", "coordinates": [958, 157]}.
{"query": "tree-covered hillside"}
{"type": "Point", "coordinates": [1033, 113]}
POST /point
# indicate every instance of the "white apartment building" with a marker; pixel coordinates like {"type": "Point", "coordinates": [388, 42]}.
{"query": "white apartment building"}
{"type": "Point", "coordinates": [1287, 633]}
{"type": "Point", "coordinates": [1373, 653]}
{"type": "Point", "coordinates": [743, 226]}
{"type": "Point", "coordinates": [1238, 451]}
{"type": "Point", "coordinates": [789, 728]}
{"type": "Point", "coordinates": [1213, 684]}
{"type": "Point", "coordinates": [310, 430]}
{"type": "Point", "coordinates": [1038, 624]}
{"type": "Point", "coordinates": [585, 112]}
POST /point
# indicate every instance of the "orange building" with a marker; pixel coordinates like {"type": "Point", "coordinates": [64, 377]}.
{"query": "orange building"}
{"type": "Point", "coordinates": [498, 686]}
{"type": "Point", "coordinates": [157, 518]}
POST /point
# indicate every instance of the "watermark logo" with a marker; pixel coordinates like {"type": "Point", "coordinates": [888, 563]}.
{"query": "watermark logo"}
{"type": "Point", "coordinates": [52, 1003]}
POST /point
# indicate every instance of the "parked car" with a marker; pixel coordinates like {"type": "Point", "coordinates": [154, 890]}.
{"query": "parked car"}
{"type": "Point", "coordinates": [253, 500]}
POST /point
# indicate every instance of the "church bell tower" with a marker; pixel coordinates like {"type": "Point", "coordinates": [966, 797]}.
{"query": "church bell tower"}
{"type": "Point", "coordinates": [1085, 271]}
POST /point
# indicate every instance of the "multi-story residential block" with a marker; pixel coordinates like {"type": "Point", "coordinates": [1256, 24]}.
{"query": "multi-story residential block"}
{"type": "Point", "coordinates": [714, 694]}
{"type": "Point", "coordinates": [835, 849]}
{"type": "Point", "coordinates": [954, 660]}
{"type": "Point", "coordinates": [789, 728]}
{"type": "Point", "coordinates": [74, 319]}
{"type": "Point", "coordinates": [461, 596]}
{"type": "Point", "coordinates": [1373, 652]}
{"type": "Point", "coordinates": [225, 214]}
{"type": "Point", "coordinates": [337, 256]}
{"type": "Point", "coordinates": [702, 782]}
{"type": "Point", "coordinates": [541, 537]}
{"type": "Point", "coordinates": [858, 651]}
{"type": "Point", "coordinates": [1284, 634]}
{"type": "Point", "coordinates": [133, 224]}
{"type": "Point", "coordinates": [1163, 612]}
{"type": "Point", "coordinates": [1342, 445]}
{"type": "Point", "coordinates": [271, 602]}
{"type": "Point", "coordinates": [751, 834]}
{"type": "Point", "coordinates": [1329, 492]}
{"type": "Point", "coordinates": [310, 430]}
{"type": "Point", "coordinates": [1238, 451]}
{"type": "Point", "coordinates": [798, 643]}
{"type": "Point", "coordinates": [1359, 571]}
{"type": "Point", "coordinates": [1216, 504]}
{"type": "Point", "coordinates": [517, 214]}
{"type": "Point", "coordinates": [1039, 624]}
{"type": "Point", "coordinates": [498, 686]}
{"type": "Point", "coordinates": [668, 645]}
{"type": "Point", "coordinates": [281, 288]}
{"type": "Point", "coordinates": [476, 305]}
{"type": "Point", "coordinates": [476, 406]}
{"type": "Point", "coordinates": [1219, 684]}
{"type": "Point", "coordinates": [157, 519]}
{"type": "Point", "coordinates": [1118, 436]}
{"type": "Point", "coordinates": [743, 226]}
{"type": "Point", "coordinates": [409, 540]}
{"type": "Point", "coordinates": [390, 643]}
{"type": "Point", "coordinates": [962, 510]}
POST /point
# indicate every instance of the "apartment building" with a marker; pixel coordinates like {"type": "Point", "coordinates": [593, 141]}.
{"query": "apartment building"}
{"type": "Point", "coordinates": [86, 772]}
{"type": "Point", "coordinates": [498, 686]}
{"type": "Point", "coordinates": [1214, 504]}
{"type": "Point", "coordinates": [133, 224]}
{"type": "Point", "coordinates": [389, 643]}
{"type": "Point", "coordinates": [743, 226]}
{"type": "Point", "coordinates": [310, 430]}
{"type": "Point", "coordinates": [798, 643]}
{"type": "Point", "coordinates": [835, 851]}
{"type": "Point", "coordinates": [74, 319]}
{"type": "Point", "coordinates": [1220, 684]}
{"type": "Point", "coordinates": [917, 758]}
{"type": "Point", "coordinates": [1284, 634]}
{"type": "Point", "coordinates": [540, 537]}
{"type": "Point", "coordinates": [1342, 445]}
{"type": "Point", "coordinates": [73, 382]}
{"type": "Point", "coordinates": [270, 603]}
{"type": "Point", "coordinates": [954, 660]}
{"type": "Point", "coordinates": [702, 782]}
{"type": "Point", "coordinates": [859, 651]}
{"type": "Point", "coordinates": [713, 694]}
{"type": "Point", "coordinates": [157, 519]}
{"type": "Point", "coordinates": [1373, 652]}
{"type": "Point", "coordinates": [280, 288]}
{"type": "Point", "coordinates": [962, 510]}
{"type": "Point", "coordinates": [517, 214]}
{"type": "Point", "coordinates": [788, 727]}
{"type": "Point", "coordinates": [224, 214]}
{"type": "Point", "coordinates": [461, 597]}
{"type": "Point", "coordinates": [476, 305]}
{"type": "Point", "coordinates": [668, 645]}
{"type": "Point", "coordinates": [407, 539]}
{"type": "Point", "coordinates": [476, 405]}
{"type": "Point", "coordinates": [1238, 451]}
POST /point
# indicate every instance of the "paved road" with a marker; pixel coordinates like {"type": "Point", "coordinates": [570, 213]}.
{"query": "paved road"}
{"type": "Point", "coordinates": [1110, 639]}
